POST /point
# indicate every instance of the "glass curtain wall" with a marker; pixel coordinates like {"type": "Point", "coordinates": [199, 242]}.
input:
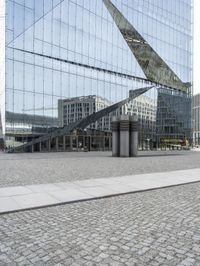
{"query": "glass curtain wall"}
{"type": "Point", "coordinates": [2, 68]}
{"type": "Point", "coordinates": [57, 49]}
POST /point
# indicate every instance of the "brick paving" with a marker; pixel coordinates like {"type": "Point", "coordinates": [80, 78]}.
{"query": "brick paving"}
{"type": "Point", "coordinates": [160, 227]}
{"type": "Point", "coordinates": [37, 168]}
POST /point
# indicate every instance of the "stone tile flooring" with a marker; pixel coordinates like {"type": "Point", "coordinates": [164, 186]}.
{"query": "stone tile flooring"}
{"type": "Point", "coordinates": [19, 197]}
{"type": "Point", "coordinates": [158, 227]}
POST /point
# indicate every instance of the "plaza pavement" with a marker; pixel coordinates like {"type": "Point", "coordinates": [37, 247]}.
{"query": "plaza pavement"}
{"type": "Point", "coordinates": [42, 168]}
{"type": "Point", "coordinates": [46, 179]}
{"type": "Point", "coordinates": [152, 227]}
{"type": "Point", "coordinates": [41, 195]}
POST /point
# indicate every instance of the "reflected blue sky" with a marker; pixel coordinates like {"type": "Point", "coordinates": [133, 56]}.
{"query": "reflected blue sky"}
{"type": "Point", "coordinates": [84, 32]}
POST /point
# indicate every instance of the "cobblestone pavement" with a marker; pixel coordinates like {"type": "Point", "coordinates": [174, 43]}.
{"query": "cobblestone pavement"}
{"type": "Point", "coordinates": [24, 169]}
{"type": "Point", "coordinates": [160, 227]}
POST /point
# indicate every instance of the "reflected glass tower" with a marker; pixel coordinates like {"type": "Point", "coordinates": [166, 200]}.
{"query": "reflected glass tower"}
{"type": "Point", "coordinates": [53, 50]}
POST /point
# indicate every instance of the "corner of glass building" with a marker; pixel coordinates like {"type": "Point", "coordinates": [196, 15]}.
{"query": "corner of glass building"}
{"type": "Point", "coordinates": [2, 68]}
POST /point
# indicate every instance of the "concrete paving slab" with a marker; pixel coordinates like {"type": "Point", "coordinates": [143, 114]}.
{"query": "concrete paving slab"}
{"type": "Point", "coordinates": [11, 191]}
{"type": "Point", "coordinates": [144, 185]}
{"type": "Point", "coordinates": [67, 185]}
{"type": "Point", "coordinates": [69, 195]}
{"type": "Point", "coordinates": [89, 183]}
{"type": "Point", "coordinates": [34, 200]}
{"type": "Point", "coordinates": [43, 188]}
{"type": "Point", "coordinates": [8, 204]}
{"type": "Point", "coordinates": [98, 191]}
{"type": "Point", "coordinates": [123, 188]}
{"type": "Point", "coordinates": [16, 198]}
{"type": "Point", "coordinates": [108, 181]}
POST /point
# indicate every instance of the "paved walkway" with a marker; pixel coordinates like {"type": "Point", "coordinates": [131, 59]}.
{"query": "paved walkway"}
{"type": "Point", "coordinates": [151, 228]}
{"type": "Point", "coordinates": [22, 169]}
{"type": "Point", "coordinates": [33, 196]}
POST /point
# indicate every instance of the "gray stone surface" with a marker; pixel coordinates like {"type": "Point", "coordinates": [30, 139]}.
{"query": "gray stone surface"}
{"type": "Point", "coordinates": [55, 193]}
{"type": "Point", "coordinates": [38, 168]}
{"type": "Point", "coordinates": [158, 227]}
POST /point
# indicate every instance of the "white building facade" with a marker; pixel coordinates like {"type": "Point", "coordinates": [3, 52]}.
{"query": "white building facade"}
{"type": "Point", "coordinates": [74, 109]}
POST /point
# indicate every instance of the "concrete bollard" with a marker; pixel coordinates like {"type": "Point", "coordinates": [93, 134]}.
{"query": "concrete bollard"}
{"type": "Point", "coordinates": [115, 136]}
{"type": "Point", "coordinates": [124, 136]}
{"type": "Point", "coordinates": [134, 136]}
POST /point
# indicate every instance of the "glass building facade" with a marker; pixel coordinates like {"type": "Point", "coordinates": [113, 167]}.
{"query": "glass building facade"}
{"type": "Point", "coordinates": [196, 119]}
{"type": "Point", "coordinates": [58, 49]}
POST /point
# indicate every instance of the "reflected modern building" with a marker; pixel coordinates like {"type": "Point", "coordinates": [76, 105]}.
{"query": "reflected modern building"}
{"type": "Point", "coordinates": [196, 119]}
{"type": "Point", "coordinates": [74, 109]}
{"type": "Point", "coordinates": [52, 50]}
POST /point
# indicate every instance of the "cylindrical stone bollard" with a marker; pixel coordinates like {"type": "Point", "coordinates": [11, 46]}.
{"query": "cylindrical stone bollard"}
{"type": "Point", "coordinates": [124, 136]}
{"type": "Point", "coordinates": [134, 136]}
{"type": "Point", "coordinates": [115, 136]}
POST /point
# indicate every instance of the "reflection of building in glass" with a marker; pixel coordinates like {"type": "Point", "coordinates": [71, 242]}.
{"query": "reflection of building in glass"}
{"type": "Point", "coordinates": [196, 119]}
{"type": "Point", "coordinates": [145, 106]}
{"type": "Point", "coordinates": [74, 109]}
{"type": "Point", "coordinates": [23, 128]}
{"type": "Point", "coordinates": [173, 111]}
{"type": "Point", "coordinates": [54, 50]}
{"type": "Point", "coordinates": [154, 67]}
{"type": "Point", "coordinates": [26, 126]}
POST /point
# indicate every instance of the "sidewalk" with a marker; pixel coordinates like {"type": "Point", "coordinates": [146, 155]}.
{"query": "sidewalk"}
{"type": "Point", "coordinates": [42, 195]}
